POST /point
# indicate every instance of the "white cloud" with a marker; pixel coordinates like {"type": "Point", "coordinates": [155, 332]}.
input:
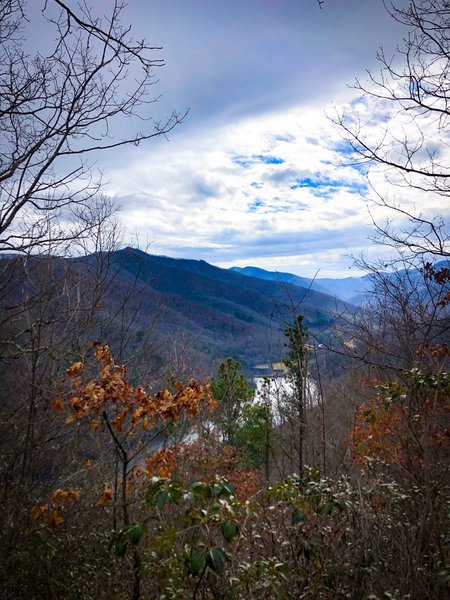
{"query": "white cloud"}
{"type": "Point", "coordinates": [275, 191]}
{"type": "Point", "coordinates": [235, 195]}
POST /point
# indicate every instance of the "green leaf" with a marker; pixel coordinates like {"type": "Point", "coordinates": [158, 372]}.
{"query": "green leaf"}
{"type": "Point", "coordinates": [152, 492]}
{"type": "Point", "coordinates": [198, 489]}
{"type": "Point", "coordinates": [214, 510]}
{"type": "Point", "coordinates": [196, 561]}
{"type": "Point", "coordinates": [369, 416]}
{"type": "Point", "coordinates": [298, 517]}
{"type": "Point", "coordinates": [216, 559]}
{"type": "Point", "coordinates": [361, 447]}
{"type": "Point", "coordinates": [229, 488]}
{"type": "Point", "coordinates": [310, 547]}
{"type": "Point", "coordinates": [43, 535]}
{"type": "Point", "coordinates": [229, 530]}
{"type": "Point", "coordinates": [325, 507]}
{"type": "Point", "coordinates": [162, 498]}
{"type": "Point", "coordinates": [120, 546]}
{"type": "Point", "coordinates": [444, 576]}
{"type": "Point", "coordinates": [216, 489]}
{"type": "Point", "coordinates": [135, 533]}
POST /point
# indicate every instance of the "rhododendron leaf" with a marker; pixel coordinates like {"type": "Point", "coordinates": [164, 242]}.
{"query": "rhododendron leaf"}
{"type": "Point", "coordinates": [229, 530]}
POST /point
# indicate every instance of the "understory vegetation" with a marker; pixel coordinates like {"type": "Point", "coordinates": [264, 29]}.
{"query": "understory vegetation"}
{"type": "Point", "coordinates": [197, 491]}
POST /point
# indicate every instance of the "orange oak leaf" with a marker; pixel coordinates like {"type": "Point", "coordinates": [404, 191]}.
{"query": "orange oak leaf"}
{"type": "Point", "coordinates": [58, 404]}
{"type": "Point", "coordinates": [38, 511]}
{"type": "Point", "coordinates": [106, 497]}
{"type": "Point", "coordinates": [55, 519]}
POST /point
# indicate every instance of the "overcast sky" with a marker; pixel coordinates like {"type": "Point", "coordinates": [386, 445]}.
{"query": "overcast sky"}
{"type": "Point", "coordinates": [253, 176]}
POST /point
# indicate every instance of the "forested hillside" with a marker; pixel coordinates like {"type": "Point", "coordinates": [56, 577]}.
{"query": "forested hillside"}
{"type": "Point", "coordinates": [187, 304]}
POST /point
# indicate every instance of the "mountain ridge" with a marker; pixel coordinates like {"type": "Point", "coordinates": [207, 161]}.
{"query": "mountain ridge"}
{"type": "Point", "coordinates": [228, 313]}
{"type": "Point", "coordinates": [347, 289]}
{"type": "Point", "coordinates": [353, 290]}
{"type": "Point", "coordinates": [196, 309]}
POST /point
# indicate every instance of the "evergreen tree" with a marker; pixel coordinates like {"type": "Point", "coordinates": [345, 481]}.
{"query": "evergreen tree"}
{"type": "Point", "coordinates": [232, 393]}
{"type": "Point", "coordinates": [296, 362]}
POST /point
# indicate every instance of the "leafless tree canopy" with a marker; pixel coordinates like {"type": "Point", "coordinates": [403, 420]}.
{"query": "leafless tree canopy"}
{"type": "Point", "coordinates": [407, 131]}
{"type": "Point", "coordinates": [59, 107]}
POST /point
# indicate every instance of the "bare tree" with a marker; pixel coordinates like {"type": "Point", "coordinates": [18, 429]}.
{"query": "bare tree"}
{"type": "Point", "coordinates": [59, 107]}
{"type": "Point", "coordinates": [406, 133]}
{"type": "Point", "coordinates": [405, 137]}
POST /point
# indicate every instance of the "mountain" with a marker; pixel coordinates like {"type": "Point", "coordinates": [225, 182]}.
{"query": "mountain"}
{"type": "Point", "coordinates": [280, 277]}
{"type": "Point", "coordinates": [353, 290]}
{"type": "Point", "coordinates": [198, 314]}
{"type": "Point", "coordinates": [218, 311]}
{"type": "Point", "coordinates": [174, 314]}
{"type": "Point", "coordinates": [349, 289]}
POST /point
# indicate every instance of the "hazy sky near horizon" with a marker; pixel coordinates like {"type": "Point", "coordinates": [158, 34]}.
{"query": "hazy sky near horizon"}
{"type": "Point", "coordinates": [254, 175]}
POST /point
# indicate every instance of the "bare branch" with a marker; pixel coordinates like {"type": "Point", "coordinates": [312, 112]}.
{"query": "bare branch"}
{"type": "Point", "coordinates": [57, 109]}
{"type": "Point", "coordinates": [406, 133]}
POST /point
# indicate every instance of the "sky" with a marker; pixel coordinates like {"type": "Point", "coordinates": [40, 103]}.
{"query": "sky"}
{"type": "Point", "coordinates": [256, 174]}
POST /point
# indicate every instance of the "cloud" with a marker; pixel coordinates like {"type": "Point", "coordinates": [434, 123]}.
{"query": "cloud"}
{"type": "Point", "coordinates": [283, 196]}
{"type": "Point", "coordinates": [232, 60]}
{"type": "Point", "coordinates": [258, 174]}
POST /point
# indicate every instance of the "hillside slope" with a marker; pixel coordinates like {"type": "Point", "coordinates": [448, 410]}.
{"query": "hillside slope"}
{"type": "Point", "coordinates": [221, 312]}
{"type": "Point", "coordinates": [175, 313]}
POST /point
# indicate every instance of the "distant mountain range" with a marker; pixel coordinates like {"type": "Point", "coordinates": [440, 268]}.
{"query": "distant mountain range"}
{"type": "Point", "coordinates": [349, 289]}
{"type": "Point", "coordinates": [222, 312]}
{"type": "Point", "coordinates": [202, 313]}
{"type": "Point", "coordinates": [198, 314]}
{"type": "Point", "coordinates": [353, 290]}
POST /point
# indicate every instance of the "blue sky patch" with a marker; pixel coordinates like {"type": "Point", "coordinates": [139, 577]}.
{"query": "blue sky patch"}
{"type": "Point", "coordinates": [248, 161]}
{"type": "Point", "coordinates": [269, 160]}
{"type": "Point", "coordinates": [344, 148]}
{"type": "Point", "coordinates": [324, 187]}
{"type": "Point", "coordinates": [308, 182]}
{"type": "Point", "coordinates": [255, 205]}
{"type": "Point", "coordinates": [243, 161]}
